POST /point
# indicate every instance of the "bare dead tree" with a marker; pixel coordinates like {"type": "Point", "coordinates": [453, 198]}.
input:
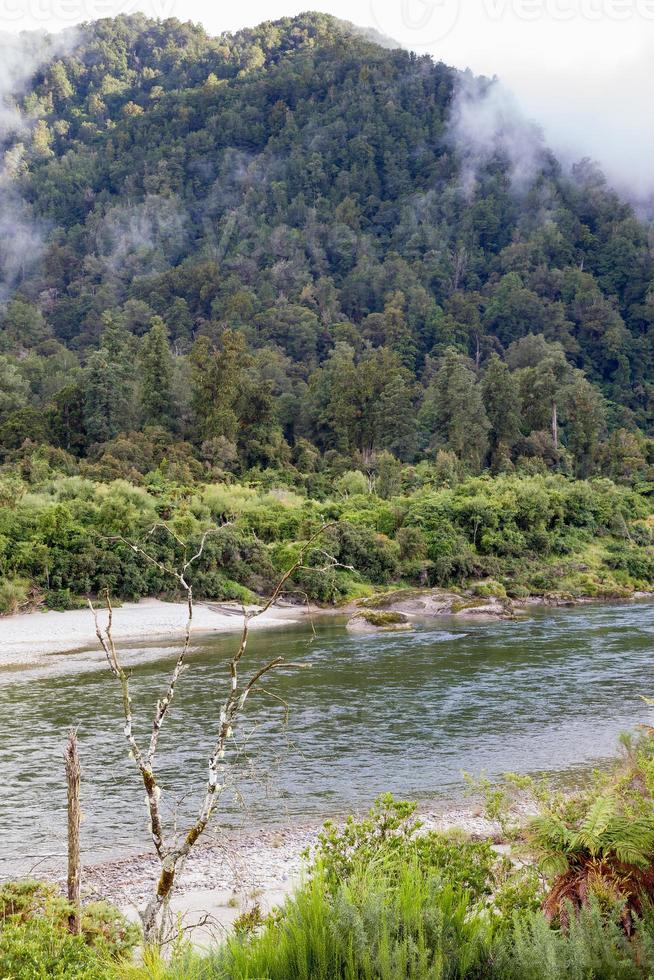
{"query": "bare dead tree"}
{"type": "Point", "coordinates": [173, 850]}
{"type": "Point", "coordinates": [71, 759]}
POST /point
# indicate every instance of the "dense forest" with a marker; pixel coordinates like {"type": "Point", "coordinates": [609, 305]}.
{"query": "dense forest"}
{"type": "Point", "coordinates": [284, 258]}
{"type": "Point", "coordinates": [305, 315]}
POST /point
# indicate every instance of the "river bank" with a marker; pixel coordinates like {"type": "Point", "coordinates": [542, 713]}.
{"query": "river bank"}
{"type": "Point", "coordinates": [229, 873]}
{"type": "Point", "coordinates": [31, 640]}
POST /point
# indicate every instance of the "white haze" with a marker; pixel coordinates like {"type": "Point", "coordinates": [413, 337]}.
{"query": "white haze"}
{"type": "Point", "coordinates": [604, 113]}
{"type": "Point", "coordinates": [143, 238]}
{"type": "Point", "coordinates": [21, 236]}
{"type": "Point", "coordinates": [486, 121]}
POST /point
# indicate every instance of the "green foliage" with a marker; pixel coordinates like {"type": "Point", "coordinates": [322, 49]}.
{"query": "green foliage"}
{"type": "Point", "coordinates": [389, 837]}
{"type": "Point", "coordinates": [386, 900]}
{"type": "Point", "coordinates": [60, 536]}
{"type": "Point", "coordinates": [382, 618]}
{"type": "Point", "coordinates": [595, 844]}
{"type": "Point", "coordinates": [156, 372]}
{"type": "Point", "coordinates": [594, 946]}
{"type": "Point", "coordinates": [14, 595]}
{"type": "Point", "coordinates": [314, 293]}
{"type": "Point", "coordinates": [35, 941]}
{"type": "Point", "coordinates": [380, 903]}
{"type": "Point", "coordinates": [43, 949]}
{"type": "Point", "coordinates": [602, 832]}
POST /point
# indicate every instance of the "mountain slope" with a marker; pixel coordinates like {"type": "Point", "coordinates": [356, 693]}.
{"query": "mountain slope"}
{"type": "Point", "coordinates": [347, 212]}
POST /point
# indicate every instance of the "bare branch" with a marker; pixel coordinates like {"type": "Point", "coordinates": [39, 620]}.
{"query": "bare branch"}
{"type": "Point", "coordinates": [147, 775]}
{"type": "Point", "coordinates": [275, 697]}
{"type": "Point", "coordinates": [173, 856]}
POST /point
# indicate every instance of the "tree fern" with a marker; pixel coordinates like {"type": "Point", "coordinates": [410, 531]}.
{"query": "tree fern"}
{"type": "Point", "coordinates": [595, 825]}
{"type": "Point", "coordinates": [603, 832]}
{"type": "Point", "coordinates": [630, 839]}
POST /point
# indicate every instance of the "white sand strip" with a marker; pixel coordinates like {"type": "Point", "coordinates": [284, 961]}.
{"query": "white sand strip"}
{"type": "Point", "coordinates": [29, 638]}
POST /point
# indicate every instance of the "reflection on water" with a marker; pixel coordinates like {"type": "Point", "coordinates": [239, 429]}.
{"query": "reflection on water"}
{"type": "Point", "coordinates": [405, 712]}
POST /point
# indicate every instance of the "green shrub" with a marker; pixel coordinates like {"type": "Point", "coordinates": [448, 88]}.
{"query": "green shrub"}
{"type": "Point", "coordinates": [59, 536]}
{"type": "Point", "coordinates": [595, 947]}
{"type": "Point", "coordinates": [35, 941]}
{"type": "Point", "coordinates": [40, 949]}
{"type": "Point", "coordinates": [637, 562]}
{"type": "Point", "coordinates": [374, 926]}
{"type": "Point", "coordinates": [391, 834]}
{"type": "Point", "coordinates": [489, 589]}
{"type": "Point", "coordinates": [14, 595]}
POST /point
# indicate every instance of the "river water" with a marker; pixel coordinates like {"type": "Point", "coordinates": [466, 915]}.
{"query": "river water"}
{"type": "Point", "coordinates": [406, 712]}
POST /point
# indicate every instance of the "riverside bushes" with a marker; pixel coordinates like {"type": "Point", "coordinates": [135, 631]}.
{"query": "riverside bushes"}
{"type": "Point", "coordinates": [64, 537]}
{"type": "Point", "coordinates": [384, 899]}
{"type": "Point", "coordinates": [35, 942]}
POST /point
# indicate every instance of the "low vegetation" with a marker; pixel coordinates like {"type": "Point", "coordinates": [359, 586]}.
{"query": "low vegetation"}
{"type": "Point", "coordinates": [382, 619]}
{"type": "Point", "coordinates": [66, 536]}
{"type": "Point", "coordinates": [384, 898]}
{"type": "Point", "coordinates": [35, 941]}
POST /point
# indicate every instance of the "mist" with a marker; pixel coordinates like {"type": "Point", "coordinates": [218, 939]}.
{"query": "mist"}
{"type": "Point", "coordinates": [142, 238]}
{"type": "Point", "coordinates": [598, 112]}
{"type": "Point", "coordinates": [486, 121]}
{"type": "Point", "coordinates": [22, 236]}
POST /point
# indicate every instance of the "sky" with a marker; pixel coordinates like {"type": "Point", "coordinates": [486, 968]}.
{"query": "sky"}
{"type": "Point", "coordinates": [580, 68]}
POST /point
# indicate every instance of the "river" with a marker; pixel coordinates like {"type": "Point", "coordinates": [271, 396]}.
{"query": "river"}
{"type": "Point", "coordinates": [406, 712]}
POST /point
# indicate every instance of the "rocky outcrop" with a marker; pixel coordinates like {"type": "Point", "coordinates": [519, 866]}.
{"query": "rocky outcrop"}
{"type": "Point", "coordinates": [373, 620]}
{"type": "Point", "coordinates": [428, 603]}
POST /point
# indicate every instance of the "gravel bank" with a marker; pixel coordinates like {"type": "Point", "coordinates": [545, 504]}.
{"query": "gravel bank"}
{"type": "Point", "coordinates": [33, 640]}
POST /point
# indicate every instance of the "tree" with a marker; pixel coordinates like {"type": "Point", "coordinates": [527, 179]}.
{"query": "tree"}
{"type": "Point", "coordinates": [172, 847]}
{"type": "Point", "coordinates": [42, 139]}
{"type": "Point", "coordinates": [514, 310]}
{"type": "Point", "coordinates": [541, 370]}
{"type": "Point", "coordinates": [156, 373]}
{"type": "Point", "coordinates": [66, 418]}
{"type": "Point", "coordinates": [217, 379]}
{"type": "Point", "coordinates": [453, 412]}
{"type": "Point", "coordinates": [388, 479]}
{"type": "Point", "coordinates": [108, 395]}
{"type": "Point", "coordinates": [396, 416]}
{"type": "Point", "coordinates": [584, 422]}
{"type": "Point", "coordinates": [361, 406]}
{"type": "Point", "coordinates": [23, 325]}
{"type": "Point", "coordinates": [397, 334]}
{"type": "Point", "coordinates": [624, 457]}
{"type": "Point", "coordinates": [22, 425]}
{"type": "Point", "coordinates": [14, 390]}
{"type": "Point", "coordinates": [105, 400]}
{"type": "Point", "coordinates": [59, 82]}
{"type": "Point", "coordinates": [502, 404]}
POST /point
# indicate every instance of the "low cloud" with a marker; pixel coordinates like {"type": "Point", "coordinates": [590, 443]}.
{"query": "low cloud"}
{"type": "Point", "coordinates": [486, 123]}
{"type": "Point", "coordinates": [598, 112]}
{"type": "Point", "coordinates": [143, 238]}
{"type": "Point", "coordinates": [21, 235]}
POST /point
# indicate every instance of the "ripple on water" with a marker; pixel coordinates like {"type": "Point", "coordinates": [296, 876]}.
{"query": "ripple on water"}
{"type": "Point", "coordinates": [406, 712]}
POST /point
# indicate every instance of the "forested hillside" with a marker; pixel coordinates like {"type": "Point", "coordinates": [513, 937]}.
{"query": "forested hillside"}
{"type": "Point", "coordinates": [277, 250]}
{"type": "Point", "coordinates": [294, 259]}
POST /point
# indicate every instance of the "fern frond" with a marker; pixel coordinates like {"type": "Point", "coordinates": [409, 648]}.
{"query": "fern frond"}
{"type": "Point", "coordinates": [630, 840]}
{"type": "Point", "coordinates": [595, 824]}
{"type": "Point", "coordinates": [554, 863]}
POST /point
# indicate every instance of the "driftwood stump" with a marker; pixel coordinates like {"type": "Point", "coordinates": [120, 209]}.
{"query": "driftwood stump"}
{"type": "Point", "coordinates": [71, 758]}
